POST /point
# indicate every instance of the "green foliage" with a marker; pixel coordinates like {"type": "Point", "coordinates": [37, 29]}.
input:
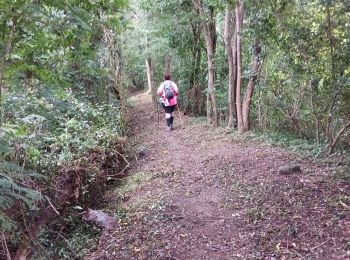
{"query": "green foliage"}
{"type": "Point", "coordinates": [302, 77]}
{"type": "Point", "coordinates": [12, 192]}
{"type": "Point", "coordinates": [75, 240]}
{"type": "Point", "coordinates": [304, 80]}
{"type": "Point", "coordinates": [56, 101]}
{"type": "Point", "coordinates": [294, 143]}
{"type": "Point", "coordinates": [343, 174]}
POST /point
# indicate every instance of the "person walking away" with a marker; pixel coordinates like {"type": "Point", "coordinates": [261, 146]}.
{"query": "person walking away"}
{"type": "Point", "coordinates": [168, 92]}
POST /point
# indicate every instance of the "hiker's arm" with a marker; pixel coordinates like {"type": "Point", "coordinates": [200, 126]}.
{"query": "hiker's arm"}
{"type": "Point", "coordinates": [160, 90]}
{"type": "Point", "coordinates": [176, 90]}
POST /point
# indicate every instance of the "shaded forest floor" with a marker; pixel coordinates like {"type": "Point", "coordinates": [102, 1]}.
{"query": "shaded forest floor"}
{"type": "Point", "coordinates": [204, 193]}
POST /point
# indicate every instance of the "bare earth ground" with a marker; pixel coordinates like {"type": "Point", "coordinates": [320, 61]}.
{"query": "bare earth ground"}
{"type": "Point", "coordinates": [204, 193]}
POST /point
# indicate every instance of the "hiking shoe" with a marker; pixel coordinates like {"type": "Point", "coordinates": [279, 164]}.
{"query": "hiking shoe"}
{"type": "Point", "coordinates": [172, 127]}
{"type": "Point", "coordinates": [168, 128]}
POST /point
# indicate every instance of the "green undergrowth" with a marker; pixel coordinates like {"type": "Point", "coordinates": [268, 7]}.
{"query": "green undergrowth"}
{"type": "Point", "coordinates": [133, 181]}
{"type": "Point", "coordinates": [200, 119]}
{"type": "Point", "coordinates": [342, 174]}
{"type": "Point", "coordinates": [68, 238]}
{"type": "Point", "coordinates": [339, 161]}
{"type": "Point", "coordinates": [130, 103]}
{"type": "Point", "coordinates": [301, 146]}
{"type": "Point", "coordinates": [130, 186]}
{"type": "Point", "coordinates": [53, 141]}
{"type": "Point", "coordinates": [295, 144]}
{"type": "Point", "coordinates": [136, 180]}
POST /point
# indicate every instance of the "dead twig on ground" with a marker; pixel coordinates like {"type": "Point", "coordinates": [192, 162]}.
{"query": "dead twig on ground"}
{"type": "Point", "coordinates": [127, 163]}
{"type": "Point", "coordinates": [344, 205]}
{"type": "Point", "coordinates": [48, 200]}
{"type": "Point", "coordinates": [317, 246]}
{"type": "Point", "coordinates": [4, 245]}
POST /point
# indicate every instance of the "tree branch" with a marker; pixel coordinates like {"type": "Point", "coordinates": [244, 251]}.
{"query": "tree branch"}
{"type": "Point", "coordinates": [330, 147]}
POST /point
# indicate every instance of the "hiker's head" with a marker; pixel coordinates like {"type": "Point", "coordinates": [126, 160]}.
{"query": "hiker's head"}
{"type": "Point", "coordinates": [167, 76]}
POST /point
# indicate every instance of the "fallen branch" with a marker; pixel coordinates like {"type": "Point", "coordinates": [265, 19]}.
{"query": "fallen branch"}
{"type": "Point", "coordinates": [56, 211]}
{"type": "Point", "coordinates": [127, 163]}
{"type": "Point", "coordinates": [4, 245]}
{"type": "Point", "coordinates": [344, 205]}
{"type": "Point", "coordinates": [324, 242]}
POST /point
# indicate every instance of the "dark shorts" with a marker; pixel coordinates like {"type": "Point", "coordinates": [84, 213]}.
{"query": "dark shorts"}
{"type": "Point", "coordinates": [168, 109]}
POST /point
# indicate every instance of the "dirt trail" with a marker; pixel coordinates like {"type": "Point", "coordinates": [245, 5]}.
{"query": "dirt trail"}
{"type": "Point", "coordinates": [202, 193]}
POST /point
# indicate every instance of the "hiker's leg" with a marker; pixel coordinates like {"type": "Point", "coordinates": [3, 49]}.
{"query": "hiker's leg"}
{"type": "Point", "coordinates": [168, 119]}
{"type": "Point", "coordinates": [167, 115]}
{"type": "Point", "coordinates": [171, 116]}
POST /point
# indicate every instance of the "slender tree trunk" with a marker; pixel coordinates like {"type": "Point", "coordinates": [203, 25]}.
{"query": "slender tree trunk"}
{"type": "Point", "coordinates": [239, 19]}
{"type": "Point", "coordinates": [230, 46]}
{"type": "Point", "coordinates": [210, 39]}
{"type": "Point", "coordinates": [317, 121]}
{"type": "Point", "coordinates": [149, 74]}
{"type": "Point", "coordinates": [212, 115]}
{"type": "Point", "coordinates": [2, 68]}
{"type": "Point", "coordinates": [150, 81]}
{"type": "Point", "coordinates": [334, 88]}
{"type": "Point", "coordinates": [260, 117]}
{"type": "Point", "coordinates": [198, 58]}
{"type": "Point", "coordinates": [195, 93]}
{"type": "Point", "coordinates": [331, 145]}
{"type": "Point", "coordinates": [234, 87]}
{"type": "Point", "coordinates": [250, 88]}
{"type": "Point", "coordinates": [196, 55]}
{"type": "Point", "coordinates": [167, 64]}
{"type": "Point", "coordinates": [114, 62]}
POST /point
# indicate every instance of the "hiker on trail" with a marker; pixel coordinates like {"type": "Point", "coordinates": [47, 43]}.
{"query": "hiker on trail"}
{"type": "Point", "coordinates": [168, 92]}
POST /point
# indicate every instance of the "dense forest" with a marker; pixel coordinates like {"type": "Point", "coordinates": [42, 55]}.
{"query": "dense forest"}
{"type": "Point", "coordinates": [67, 68]}
{"type": "Point", "coordinates": [257, 65]}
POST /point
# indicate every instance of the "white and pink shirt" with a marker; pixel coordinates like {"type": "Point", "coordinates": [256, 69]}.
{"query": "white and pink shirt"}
{"type": "Point", "coordinates": [163, 99]}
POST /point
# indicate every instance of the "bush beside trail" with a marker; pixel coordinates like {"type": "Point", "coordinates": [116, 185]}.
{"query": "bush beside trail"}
{"type": "Point", "coordinates": [59, 152]}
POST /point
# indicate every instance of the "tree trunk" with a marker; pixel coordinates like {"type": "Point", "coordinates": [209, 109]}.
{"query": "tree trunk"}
{"type": "Point", "coordinates": [230, 46]}
{"type": "Point", "coordinates": [2, 68]}
{"type": "Point", "coordinates": [151, 90]}
{"type": "Point", "coordinates": [334, 92]}
{"type": "Point", "coordinates": [331, 145]}
{"type": "Point", "coordinates": [196, 54]}
{"type": "Point", "coordinates": [210, 39]}
{"type": "Point", "coordinates": [239, 19]}
{"type": "Point", "coordinates": [195, 93]}
{"type": "Point", "coordinates": [250, 88]}
{"type": "Point", "coordinates": [234, 87]}
{"type": "Point", "coordinates": [167, 64]}
{"type": "Point", "coordinates": [317, 121]}
{"type": "Point", "coordinates": [212, 115]}
{"type": "Point", "coordinates": [113, 59]}
{"type": "Point", "coordinates": [149, 74]}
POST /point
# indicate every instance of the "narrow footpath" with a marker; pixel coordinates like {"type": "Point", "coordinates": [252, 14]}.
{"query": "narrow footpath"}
{"type": "Point", "coordinates": [200, 192]}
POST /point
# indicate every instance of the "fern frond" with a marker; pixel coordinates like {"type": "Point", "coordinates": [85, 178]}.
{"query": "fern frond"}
{"type": "Point", "coordinates": [16, 172]}
{"type": "Point", "coordinates": [3, 146]}
{"type": "Point", "coordinates": [10, 192]}
{"type": "Point", "coordinates": [6, 224]}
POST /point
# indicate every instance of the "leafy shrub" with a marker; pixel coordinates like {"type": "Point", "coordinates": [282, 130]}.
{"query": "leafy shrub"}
{"type": "Point", "coordinates": [69, 238]}
{"type": "Point", "coordinates": [46, 135]}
